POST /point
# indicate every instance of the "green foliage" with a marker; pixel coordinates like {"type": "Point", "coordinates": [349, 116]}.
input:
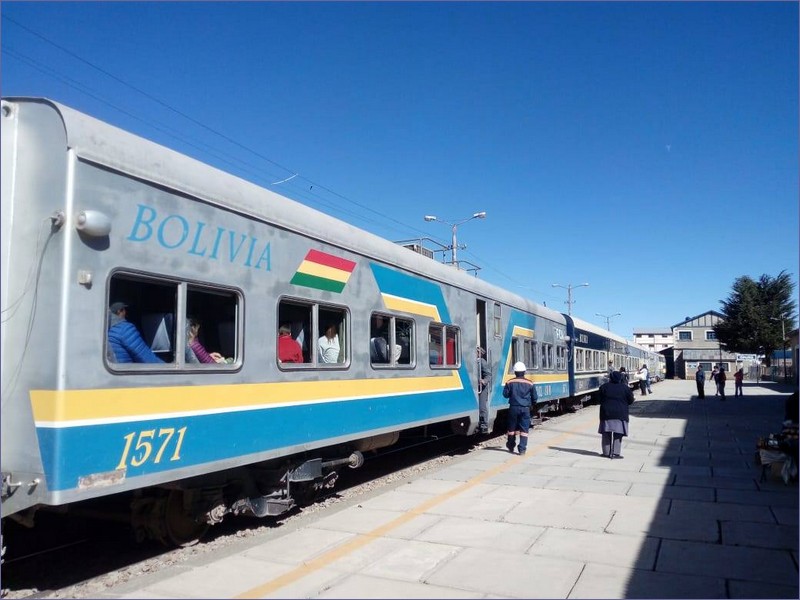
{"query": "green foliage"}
{"type": "Point", "coordinates": [755, 312]}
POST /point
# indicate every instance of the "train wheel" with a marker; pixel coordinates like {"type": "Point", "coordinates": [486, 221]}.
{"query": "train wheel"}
{"type": "Point", "coordinates": [181, 528]}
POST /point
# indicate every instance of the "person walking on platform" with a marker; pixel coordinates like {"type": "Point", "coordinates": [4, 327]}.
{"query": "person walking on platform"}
{"type": "Point", "coordinates": [721, 382]}
{"type": "Point", "coordinates": [714, 373]}
{"type": "Point", "coordinates": [700, 378]}
{"type": "Point", "coordinates": [738, 378]}
{"type": "Point", "coordinates": [615, 398]}
{"type": "Point", "coordinates": [521, 395]}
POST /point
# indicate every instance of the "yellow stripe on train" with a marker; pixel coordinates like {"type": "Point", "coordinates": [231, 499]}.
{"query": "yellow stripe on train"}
{"type": "Point", "coordinates": [67, 407]}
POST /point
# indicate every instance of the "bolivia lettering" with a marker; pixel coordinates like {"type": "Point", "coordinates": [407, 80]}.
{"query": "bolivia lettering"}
{"type": "Point", "coordinates": [175, 232]}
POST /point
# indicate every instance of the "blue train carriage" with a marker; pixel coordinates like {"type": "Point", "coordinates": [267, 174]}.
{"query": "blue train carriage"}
{"type": "Point", "coordinates": [591, 349]}
{"type": "Point", "coordinates": [537, 336]}
{"type": "Point", "coordinates": [93, 216]}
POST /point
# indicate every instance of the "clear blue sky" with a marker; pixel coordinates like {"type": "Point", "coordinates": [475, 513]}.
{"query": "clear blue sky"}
{"type": "Point", "coordinates": [649, 149]}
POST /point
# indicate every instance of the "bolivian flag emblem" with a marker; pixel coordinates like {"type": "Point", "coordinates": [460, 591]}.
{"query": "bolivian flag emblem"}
{"type": "Point", "coordinates": [323, 271]}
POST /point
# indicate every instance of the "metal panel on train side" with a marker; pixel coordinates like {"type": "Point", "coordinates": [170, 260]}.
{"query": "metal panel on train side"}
{"type": "Point", "coordinates": [183, 424]}
{"type": "Point", "coordinates": [35, 171]}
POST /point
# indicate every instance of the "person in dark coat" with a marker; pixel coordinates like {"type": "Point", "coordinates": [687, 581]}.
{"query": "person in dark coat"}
{"type": "Point", "coordinates": [124, 340]}
{"type": "Point", "coordinates": [700, 379]}
{"type": "Point", "coordinates": [615, 398]}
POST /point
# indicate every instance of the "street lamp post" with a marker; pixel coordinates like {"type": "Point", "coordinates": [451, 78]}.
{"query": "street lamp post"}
{"type": "Point", "coordinates": [783, 344]}
{"type": "Point", "coordinates": [454, 225]}
{"type": "Point", "coordinates": [569, 288]}
{"type": "Point", "coordinates": [608, 319]}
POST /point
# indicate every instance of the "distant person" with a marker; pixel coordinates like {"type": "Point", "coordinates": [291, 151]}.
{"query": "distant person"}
{"type": "Point", "coordinates": [615, 398]}
{"type": "Point", "coordinates": [289, 350]}
{"type": "Point", "coordinates": [624, 373]}
{"type": "Point", "coordinates": [644, 377]}
{"type": "Point", "coordinates": [721, 382]}
{"type": "Point", "coordinates": [610, 369]}
{"type": "Point", "coordinates": [193, 342]}
{"type": "Point", "coordinates": [714, 374]}
{"type": "Point", "coordinates": [126, 342]}
{"type": "Point", "coordinates": [328, 345]}
{"type": "Point", "coordinates": [521, 395]}
{"type": "Point", "coordinates": [484, 379]}
{"type": "Point", "coordinates": [738, 379]}
{"type": "Point", "coordinates": [700, 379]}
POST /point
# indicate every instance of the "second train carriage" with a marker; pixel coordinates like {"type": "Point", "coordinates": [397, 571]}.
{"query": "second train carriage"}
{"type": "Point", "coordinates": [92, 215]}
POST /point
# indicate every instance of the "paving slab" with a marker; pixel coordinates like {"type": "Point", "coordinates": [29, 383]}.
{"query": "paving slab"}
{"type": "Point", "coordinates": [683, 515]}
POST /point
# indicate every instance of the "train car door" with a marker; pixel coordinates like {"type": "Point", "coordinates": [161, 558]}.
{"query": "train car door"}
{"type": "Point", "coordinates": [483, 362]}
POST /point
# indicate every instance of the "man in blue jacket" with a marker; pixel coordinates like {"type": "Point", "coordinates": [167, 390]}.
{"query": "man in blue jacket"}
{"type": "Point", "coordinates": [521, 396]}
{"type": "Point", "coordinates": [124, 339]}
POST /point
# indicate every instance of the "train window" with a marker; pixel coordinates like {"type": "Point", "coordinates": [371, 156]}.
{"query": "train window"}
{"type": "Point", "coordinates": [579, 362]}
{"type": "Point", "coordinates": [561, 358]}
{"type": "Point", "coordinates": [397, 333]}
{"type": "Point", "coordinates": [497, 319]}
{"type": "Point", "coordinates": [211, 327]}
{"type": "Point", "coordinates": [141, 321]}
{"type": "Point", "coordinates": [444, 343]}
{"type": "Point", "coordinates": [311, 334]}
{"type": "Point", "coordinates": [547, 356]}
{"type": "Point", "coordinates": [535, 353]}
{"type": "Point", "coordinates": [157, 321]}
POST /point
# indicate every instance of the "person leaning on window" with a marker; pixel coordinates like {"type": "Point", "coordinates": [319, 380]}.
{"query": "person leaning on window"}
{"type": "Point", "coordinates": [124, 339]}
{"type": "Point", "coordinates": [193, 343]}
{"type": "Point", "coordinates": [289, 350]}
{"type": "Point", "coordinates": [328, 345]}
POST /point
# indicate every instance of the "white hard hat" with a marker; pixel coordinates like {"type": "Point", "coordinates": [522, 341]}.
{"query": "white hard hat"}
{"type": "Point", "coordinates": [519, 367]}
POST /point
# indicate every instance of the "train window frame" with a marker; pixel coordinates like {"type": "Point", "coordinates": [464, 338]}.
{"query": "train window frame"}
{"type": "Point", "coordinates": [547, 356]}
{"type": "Point", "coordinates": [306, 319]}
{"type": "Point", "coordinates": [561, 358]}
{"type": "Point", "coordinates": [396, 329]}
{"type": "Point", "coordinates": [580, 364]}
{"type": "Point", "coordinates": [172, 304]}
{"type": "Point", "coordinates": [443, 329]}
{"type": "Point", "coordinates": [498, 320]}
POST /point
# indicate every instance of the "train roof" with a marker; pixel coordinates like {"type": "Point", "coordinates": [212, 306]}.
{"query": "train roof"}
{"type": "Point", "coordinates": [98, 142]}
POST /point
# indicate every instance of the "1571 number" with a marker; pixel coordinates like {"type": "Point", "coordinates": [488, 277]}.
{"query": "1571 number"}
{"type": "Point", "coordinates": [146, 442]}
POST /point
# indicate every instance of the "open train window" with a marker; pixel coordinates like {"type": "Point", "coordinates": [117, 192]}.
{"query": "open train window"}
{"type": "Point", "coordinates": [153, 322]}
{"type": "Point", "coordinates": [547, 356]}
{"type": "Point", "coordinates": [312, 334]}
{"type": "Point", "coordinates": [444, 343]}
{"type": "Point", "coordinates": [580, 365]}
{"type": "Point", "coordinates": [561, 358]}
{"type": "Point", "coordinates": [391, 332]}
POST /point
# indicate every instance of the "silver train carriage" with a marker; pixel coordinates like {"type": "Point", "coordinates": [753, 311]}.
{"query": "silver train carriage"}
{"type": "Point", "coordinates": [94, 217]}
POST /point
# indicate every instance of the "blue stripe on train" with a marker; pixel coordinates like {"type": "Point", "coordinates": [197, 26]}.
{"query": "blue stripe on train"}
{"type": "Point", "coordinates": [88, 450]}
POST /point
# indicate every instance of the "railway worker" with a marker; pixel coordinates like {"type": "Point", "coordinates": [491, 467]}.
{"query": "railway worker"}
{"type": "Point", "coordinates": [328, 345]}
{"type": "Point", "coordinates": [700, 378]}
{"type": "Point", "coordinates": [615, 398]}
{"type": "Point", "coordinates": [484, 379]}
{"type": "Point", "coordinates": [289, 350]}
{"type": "Point", "coordinates": [521, 395]}
{"type": "Point", "coordinates": [124, 339]}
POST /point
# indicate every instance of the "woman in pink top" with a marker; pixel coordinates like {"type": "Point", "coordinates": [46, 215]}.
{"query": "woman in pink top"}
{"type": "Point", "coordinates": [194, 343]}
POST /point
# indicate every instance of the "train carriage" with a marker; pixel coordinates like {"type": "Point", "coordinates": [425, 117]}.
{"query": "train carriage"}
{"type": "Point", "coordinates": [94, 217]}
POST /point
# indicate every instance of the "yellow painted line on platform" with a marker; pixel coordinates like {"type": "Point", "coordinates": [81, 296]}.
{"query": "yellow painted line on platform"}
{"type": "Point", "coordinates": [361, 540]}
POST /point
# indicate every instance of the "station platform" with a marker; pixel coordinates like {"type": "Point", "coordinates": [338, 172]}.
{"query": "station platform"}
{"type": "Point", "coordinates": [683, 515]}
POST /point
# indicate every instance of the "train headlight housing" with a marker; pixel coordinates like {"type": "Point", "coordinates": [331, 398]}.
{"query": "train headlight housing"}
{"type": "Point", "coordinates": [93, 223]}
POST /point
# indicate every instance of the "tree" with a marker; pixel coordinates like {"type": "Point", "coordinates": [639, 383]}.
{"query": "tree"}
{"type": "Point", "coordinates": [754, 314]}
